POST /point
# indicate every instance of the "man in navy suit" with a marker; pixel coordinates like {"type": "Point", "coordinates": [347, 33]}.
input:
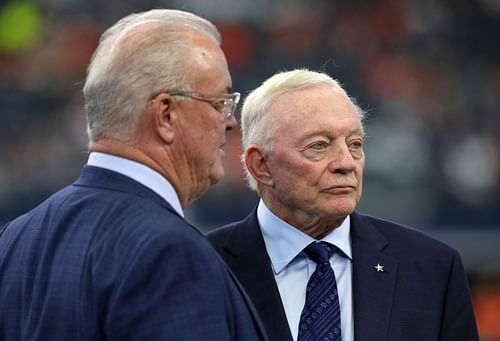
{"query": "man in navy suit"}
{"type": "Point", "coordinates": [303, 153]}
{"type": "Point", "coordinates": [111, 256]}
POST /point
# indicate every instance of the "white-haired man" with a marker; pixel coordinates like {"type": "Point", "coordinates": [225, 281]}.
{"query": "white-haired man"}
{"type": "Point", "coordinates": [314, 267]}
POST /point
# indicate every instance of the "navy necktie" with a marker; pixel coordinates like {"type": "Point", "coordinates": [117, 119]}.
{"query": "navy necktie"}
{"type": "Point", "coordinates": [320, 318]}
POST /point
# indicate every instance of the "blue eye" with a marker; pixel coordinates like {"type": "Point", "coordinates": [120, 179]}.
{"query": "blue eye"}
{"type": "Point", "coordinates": [318, 146]}
{"type": "Point", "coordinates": [357, 145]}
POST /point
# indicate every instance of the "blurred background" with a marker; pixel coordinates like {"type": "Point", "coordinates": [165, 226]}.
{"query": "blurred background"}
{"type": "Point", "coordinates": [426, 71]}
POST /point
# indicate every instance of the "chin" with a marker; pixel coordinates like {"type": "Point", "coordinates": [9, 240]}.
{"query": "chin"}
{"type": "Point", "coordinates": [343, 208]}
{"type": "Point", "coordinates": [216, 175]}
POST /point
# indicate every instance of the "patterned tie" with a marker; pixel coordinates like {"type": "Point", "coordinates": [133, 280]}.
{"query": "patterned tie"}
{"type": "Point", "coordinates": [320, 318]}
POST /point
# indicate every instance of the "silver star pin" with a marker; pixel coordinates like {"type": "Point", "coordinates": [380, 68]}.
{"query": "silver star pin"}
{"type": "Point", "coordinates": [379, 268]}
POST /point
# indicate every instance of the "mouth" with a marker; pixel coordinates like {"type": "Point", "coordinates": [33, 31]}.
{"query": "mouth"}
{"type": "Point", "coordinates": [340, 189]}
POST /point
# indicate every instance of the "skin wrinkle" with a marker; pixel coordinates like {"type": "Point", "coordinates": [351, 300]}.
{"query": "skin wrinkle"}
{"type": "Point", "coordinates": [216, 79]}
{"type": "Point", "coordinates": [301, 186]}
{"type": "Point", "coordinates": [168, 138]}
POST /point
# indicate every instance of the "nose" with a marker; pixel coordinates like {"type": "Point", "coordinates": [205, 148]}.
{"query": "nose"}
{"type": "Point", "coordinates": [342, 160]}
{"type": "Point", "coordinates": [231, 122]}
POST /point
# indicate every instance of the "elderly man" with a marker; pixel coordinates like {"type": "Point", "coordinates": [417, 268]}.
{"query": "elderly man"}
{"type": "Point", "coordinates": [111, 257]}
{"type": "Point", "coordinates": [315, 268]}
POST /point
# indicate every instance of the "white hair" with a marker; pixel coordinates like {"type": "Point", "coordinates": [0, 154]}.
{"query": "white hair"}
{"type": "Point", "coordinates": [257, 127]}
{"type": "Point", "coordinates": [128, 67]}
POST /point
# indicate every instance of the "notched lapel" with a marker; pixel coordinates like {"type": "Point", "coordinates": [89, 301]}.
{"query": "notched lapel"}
{"type": "Point", "coordinates": [374, 279]}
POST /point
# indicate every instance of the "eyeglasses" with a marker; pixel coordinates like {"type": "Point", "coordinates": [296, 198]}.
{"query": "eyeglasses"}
{"type": "Point", "coordinates": [225, 104]}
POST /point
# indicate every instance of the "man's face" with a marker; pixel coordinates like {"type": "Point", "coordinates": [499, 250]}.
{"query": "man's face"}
{"type": "Point", "coordinates": [203, 130]}
{"type": "Point", "coordinates": [317, 157]}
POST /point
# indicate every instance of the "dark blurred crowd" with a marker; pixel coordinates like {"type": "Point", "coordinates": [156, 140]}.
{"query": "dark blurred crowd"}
{"type": "Point", "coordinates": [426, 71]}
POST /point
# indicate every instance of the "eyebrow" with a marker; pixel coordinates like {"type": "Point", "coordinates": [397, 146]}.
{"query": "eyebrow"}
{"type": "Point", "coordinates": [356, 130]}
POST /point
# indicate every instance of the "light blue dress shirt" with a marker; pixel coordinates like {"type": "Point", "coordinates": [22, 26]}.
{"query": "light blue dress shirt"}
{"type": "Point", "coordinates": [140, 173]}
{"type": "Point", "coordinates": [292, 268]}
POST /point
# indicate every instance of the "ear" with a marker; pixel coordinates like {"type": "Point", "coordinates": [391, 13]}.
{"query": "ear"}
{"type": "Point", "coordinates": [165, 117]}
{"type": "Point", "coordinates": [256, 163]}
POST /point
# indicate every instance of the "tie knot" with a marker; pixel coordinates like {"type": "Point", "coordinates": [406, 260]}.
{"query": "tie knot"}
{"type": "Point", "coordinates": [319, 252]}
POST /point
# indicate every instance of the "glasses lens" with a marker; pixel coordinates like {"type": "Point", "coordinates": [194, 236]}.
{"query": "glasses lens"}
{"type": "Point", "coordinates": [225, 106]}
{"type": "Point", "coordinates": [229, 107]}
{"type": "Point", "coordinates": [232, 103]}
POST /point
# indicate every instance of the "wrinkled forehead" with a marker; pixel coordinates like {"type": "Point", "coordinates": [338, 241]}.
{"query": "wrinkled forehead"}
{"type": "Point", "coordinates": [324, 106]}
{"type": "Point", "coordinates": [313, 97]}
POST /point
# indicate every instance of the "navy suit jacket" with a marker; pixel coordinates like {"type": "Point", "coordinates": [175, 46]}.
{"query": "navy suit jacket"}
{"type": "Point", "coordinates": [108, 259]}
{"type": "Point", "coordinates": [421, 295]}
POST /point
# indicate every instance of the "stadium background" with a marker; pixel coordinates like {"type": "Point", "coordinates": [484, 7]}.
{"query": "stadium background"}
{"type": "Point", "coordinates": [426, 71]}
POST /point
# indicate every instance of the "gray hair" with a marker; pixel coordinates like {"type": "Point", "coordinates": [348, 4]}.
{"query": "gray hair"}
{"type": "Point", "coordinates": [127, 68]}
{"type": "Point", "coordinates": [259, 128]}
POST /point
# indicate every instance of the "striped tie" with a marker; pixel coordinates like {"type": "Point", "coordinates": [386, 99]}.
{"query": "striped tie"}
{"type": "Point", "coordinates": [320, 318]}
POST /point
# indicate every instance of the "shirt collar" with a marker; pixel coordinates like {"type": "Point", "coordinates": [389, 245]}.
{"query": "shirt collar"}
{"type": "Point", "coordinates": [284, 242]}
{"type": "Point", "coordinates": [140, 173]}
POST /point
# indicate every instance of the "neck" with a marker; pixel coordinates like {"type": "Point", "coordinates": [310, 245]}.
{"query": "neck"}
{"type": "Point", "coordinates": [164, 166]}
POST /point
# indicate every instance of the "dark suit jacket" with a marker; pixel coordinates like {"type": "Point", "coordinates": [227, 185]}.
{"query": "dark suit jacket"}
{"type": "Point", "coordinates": [421, 295]}
{"type": "Point", "coordinates": [108, 259]}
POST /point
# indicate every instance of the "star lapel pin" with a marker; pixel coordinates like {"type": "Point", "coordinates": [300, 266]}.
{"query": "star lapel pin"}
{"type": "Point", "coordinates": [379, 268]}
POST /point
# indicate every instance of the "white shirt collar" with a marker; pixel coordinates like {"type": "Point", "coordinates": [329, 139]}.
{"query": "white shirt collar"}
{"type": "Point", "coordinates": [284, 242]}
{"type": "Point", "coordinates": [140, 173]}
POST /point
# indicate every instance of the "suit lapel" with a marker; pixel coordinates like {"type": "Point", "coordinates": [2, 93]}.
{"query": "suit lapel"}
{"type": "Point", "coordinates": [373, 291]}
{"type": "Point", "coordinates": [106, 179]}
{"type": "Point", "coordinates": [247, 256]}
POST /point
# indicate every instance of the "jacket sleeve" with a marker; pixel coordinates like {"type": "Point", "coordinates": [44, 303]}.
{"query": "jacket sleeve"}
{"type": "Point", "coordinates": [459, 323]}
